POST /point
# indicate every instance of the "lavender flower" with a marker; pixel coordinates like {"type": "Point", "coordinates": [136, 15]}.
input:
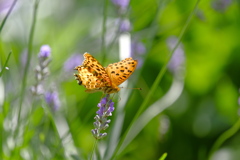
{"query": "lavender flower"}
{"type": "Point", "coordinates": [178, 57]}
{"type": "Point", "coordinates": [137, 50]}
{"type": "Point", "coordinates": [105, 110]}
{"type": "Point", "coordinates": [45, 51]}
{"type": "Point", "coordinates": [41, 69]}
{"type": "Point", "coordinates": [123, 4]}
{"type": "Point", "coordinates": [37, 89]}
{"type": "Point", "coordinates": [125, 25]}
{"type": "Point", "coordinates": [52, 100]}
{"type": "Point", "coordinates": [72, 62]}
{"type": "Point", "coordinates": [221, 5]}
{"type": "Point", "coordinates": [4, 6]}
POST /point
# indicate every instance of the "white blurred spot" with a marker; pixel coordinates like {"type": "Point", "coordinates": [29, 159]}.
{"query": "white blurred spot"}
{"type": "Point", "coordinates": [124, 45]}
{"type": "Point", "coordinates": [223, 154]}
{"type": "Point", "coordinates": [25, 154]}
{"type": "Point", "coordinates": [10, 142]}
{"type": "Point", "coordinates": [164, 126]}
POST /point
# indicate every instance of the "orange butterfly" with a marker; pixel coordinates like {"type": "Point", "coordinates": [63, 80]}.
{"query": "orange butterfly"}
{"type": "Point", "coordinates": [93, 76]}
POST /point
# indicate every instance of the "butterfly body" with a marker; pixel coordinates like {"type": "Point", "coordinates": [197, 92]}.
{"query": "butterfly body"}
{"type": "Point", "coordinates": [94, 77]}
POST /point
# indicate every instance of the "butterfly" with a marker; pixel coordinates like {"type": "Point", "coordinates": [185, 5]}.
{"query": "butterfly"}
{"type": "Point", "coordinates": [94, 77]}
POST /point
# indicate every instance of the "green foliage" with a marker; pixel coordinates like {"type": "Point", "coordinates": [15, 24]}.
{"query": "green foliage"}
{"type": "Point", "coordinates": [187, 112]}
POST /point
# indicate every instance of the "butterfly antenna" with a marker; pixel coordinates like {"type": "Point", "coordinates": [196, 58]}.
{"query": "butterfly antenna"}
{"type": "Point", "coordinates": [132, 88]}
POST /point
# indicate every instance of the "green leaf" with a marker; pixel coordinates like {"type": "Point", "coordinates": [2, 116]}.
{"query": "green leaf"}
{"type": "Point", "coordinates": [163, 156]}
{"type": "Point", "coordinates": [37, 116]}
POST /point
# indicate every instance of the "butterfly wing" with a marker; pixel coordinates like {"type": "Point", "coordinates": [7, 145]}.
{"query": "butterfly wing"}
{"type": "Point", "coordinates": [95, 68]}
{"type": "Point", "coordinates": [92, 75]}
{"type": "Point", "coordinates": [121, 71]}
{"type": "Point", "coordinates": [89, 80]}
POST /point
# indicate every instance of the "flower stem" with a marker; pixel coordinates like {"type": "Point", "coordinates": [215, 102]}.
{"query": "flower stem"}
{"type": "Point", "coordinates": [22, 93]}
{"type": "Point", "coordinates": [8, 13]}
{"type": "Point", "coordinates": [60, 148]}
{"type": "Point", "coordinates": [94, 147]}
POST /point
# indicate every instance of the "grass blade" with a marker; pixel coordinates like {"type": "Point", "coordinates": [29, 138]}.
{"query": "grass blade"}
{"type": "Point", "coordinates": [28, 58]}
{"type": "Point", "coordinates": [6, 62]}
{"type": "Point", "coordinates": [158, 79]}
{"type": "Point", "coordinates": [8, 13]}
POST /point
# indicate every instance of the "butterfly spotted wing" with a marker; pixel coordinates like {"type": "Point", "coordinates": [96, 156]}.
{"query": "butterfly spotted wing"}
{"type": "Point", "coordinates": [87, 79]}
{"type": "Point", "coordinates": [121, 71]}
{"type": "Point", "coordinates": [95, 67]}
{"type": "Point", "coordinates": [92, 75]}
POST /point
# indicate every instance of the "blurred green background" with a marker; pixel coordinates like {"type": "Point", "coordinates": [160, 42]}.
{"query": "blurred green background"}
{"type": "Point", "coordinates": [191, 123]}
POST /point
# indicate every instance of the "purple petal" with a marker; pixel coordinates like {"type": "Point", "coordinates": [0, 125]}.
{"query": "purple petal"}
{"type": "Point", "coordinates": [221, 5]}
{"type": "Point", "coordinates": [45, 51]}
{"type": "Point", "coordinates": [111, 108]}
{"type": "Point", "coordinates": [121, 3]}
{"type": "Point", "coordinates": [104, 101]}
{"type": "Point", "coordinates": [137, 48]}
{"type": "Point", "coordinates": [73, 61]}
{"type": "Point", "coordinates": [178, 57]}
{"type": "Point", "coordinates": [52, 100]}
{"type": "Point", "coordinates": [100, 111]}
{"type": "Point", "coordinates": [125, 25]}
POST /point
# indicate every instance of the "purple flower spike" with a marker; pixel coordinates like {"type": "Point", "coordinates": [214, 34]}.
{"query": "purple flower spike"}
{"type": "Point", "coordinates": [123, 4]}
{"type": "Point", "coordinates": [137, 48]}
{"type": "Point", "coordinates": [106, 107]}
{"type": "Point", "coordinates": [41, 70]}
{"type": "Point", "coordinates": [111, 108]}
{"type": "Point", "coordinates": [104, 101]}
{"type": "Point", "coordinates": [178, 57]}
{"type": "Point", "coordinates": [125, 25]}
{"type": "Point", "coordinates": [100, 112]}
{"type": "Point", "coordinates": [221, 5]}
{"type": "Point", "coordinates": [72, 62]}
{"type": "Point", "coordinates": [45, 51]}
{"type": "Point", "coordinates": [52, 100]}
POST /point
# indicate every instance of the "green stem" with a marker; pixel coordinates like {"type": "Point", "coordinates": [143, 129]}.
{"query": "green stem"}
{"type": "Point", "coordinates": [6, 62]}
{"type": "Point", "coordinates": [159, 77]}
{"type": "Point", "coordinates": [22, 93]}
{"type": "Point", "coordinates": [8, 13]}
{"type": "Point", "coordinates": [60, 147]}
{"type": "Point", "coordinates": [94, 147]}
{"type": "Point", "coordinates": [226, 135]}
{"type": "Point", "coordinates": [103, 45]}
